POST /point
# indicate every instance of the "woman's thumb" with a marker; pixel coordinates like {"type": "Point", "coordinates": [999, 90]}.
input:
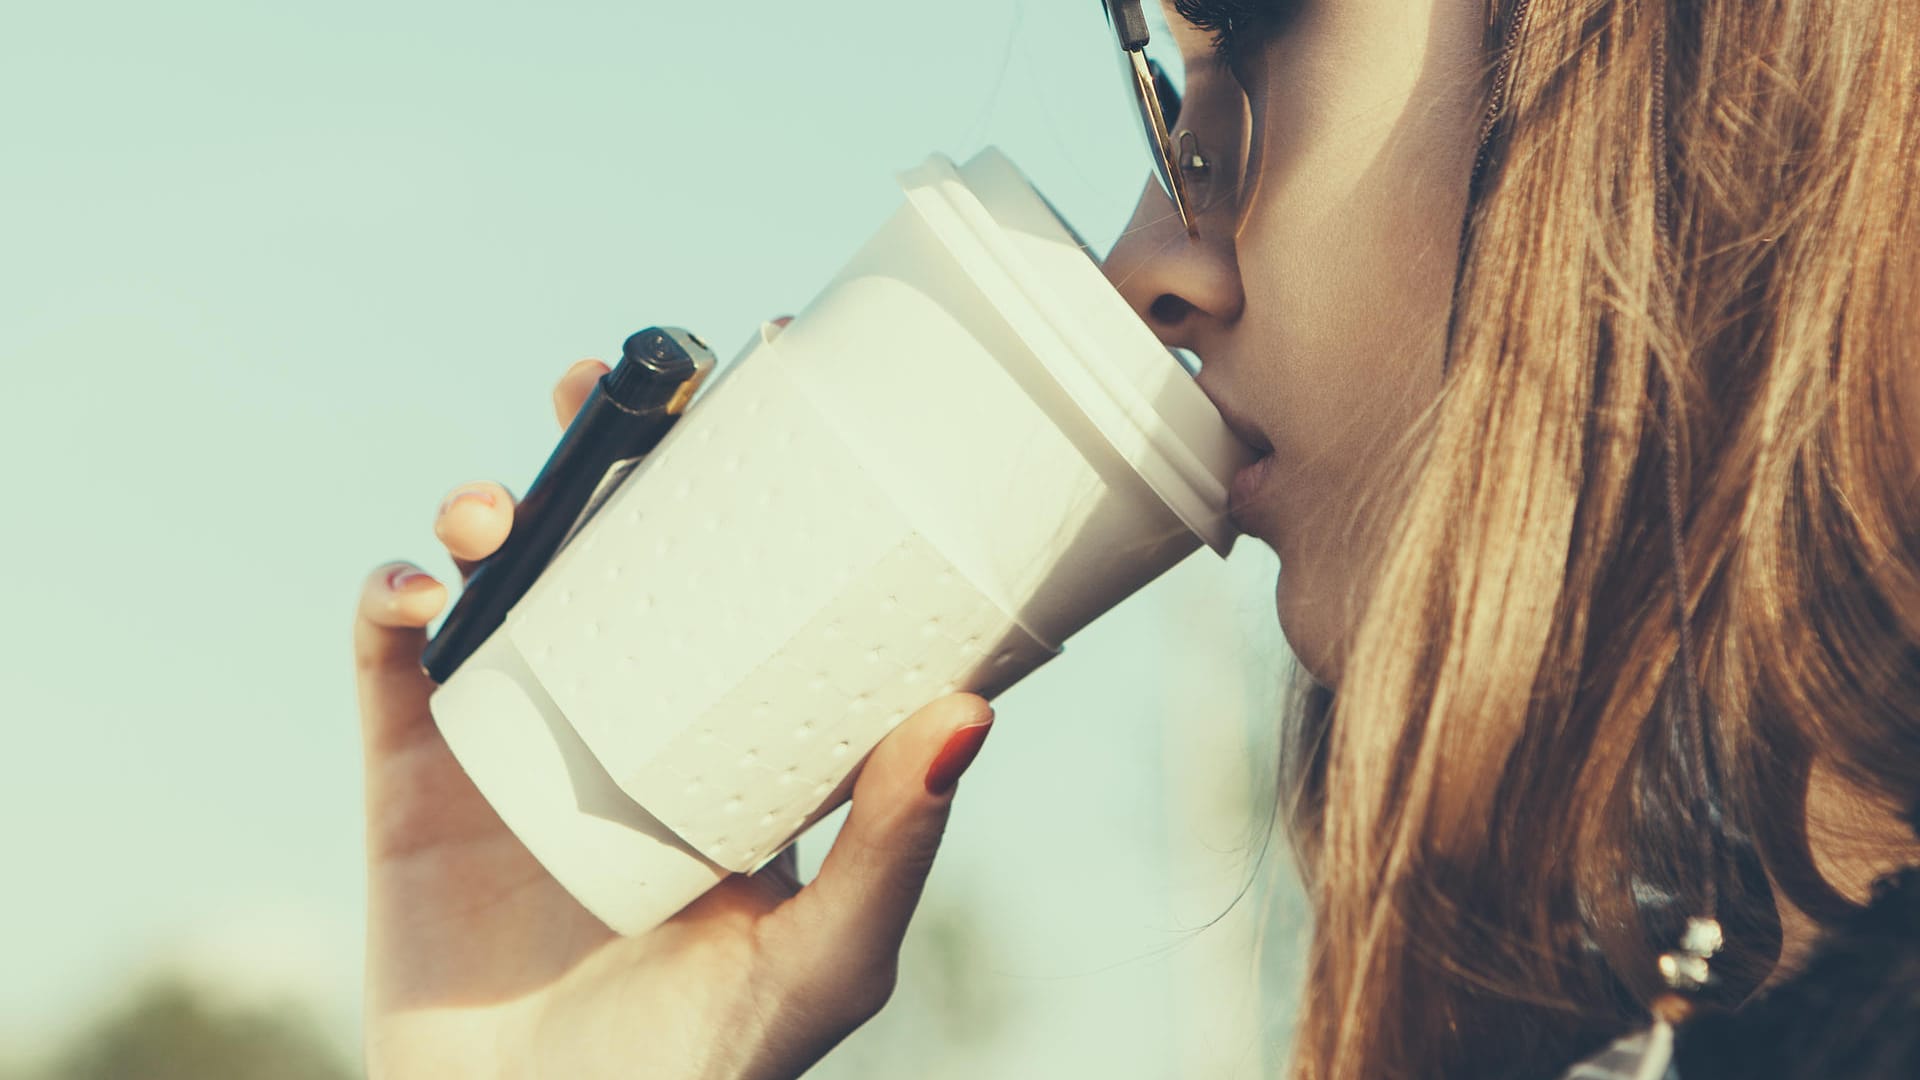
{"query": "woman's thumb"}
{"type": "Point", "coordinates": [868, 885]}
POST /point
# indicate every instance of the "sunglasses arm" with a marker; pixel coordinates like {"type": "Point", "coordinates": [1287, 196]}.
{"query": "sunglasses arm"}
{"type": "Point", "coordinates": [1129, 22]}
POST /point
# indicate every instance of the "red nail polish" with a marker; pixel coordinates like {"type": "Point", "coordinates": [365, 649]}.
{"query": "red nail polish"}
{"type": "Point", "coordinates": [401, 577]}
{"type": "Point", "coordinates": [954, 757]}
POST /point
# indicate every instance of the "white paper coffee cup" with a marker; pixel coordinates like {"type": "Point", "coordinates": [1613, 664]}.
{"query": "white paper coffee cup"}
{"type": "Point", "coordinates": [965, 449]}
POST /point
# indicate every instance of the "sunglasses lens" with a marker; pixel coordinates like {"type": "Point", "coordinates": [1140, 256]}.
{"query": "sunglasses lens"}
{"type": "Point", "coordinates": [1155, 86]}
{"type": "Point", "coordinates": [1165, 90]}
{"type": "Point", "coordinates": [1158, 92]}
{"type": "Point", "coordinates": [1167, 98]}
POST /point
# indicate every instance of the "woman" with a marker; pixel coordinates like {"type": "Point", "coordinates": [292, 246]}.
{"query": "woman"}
{"type": "Point", "coordinates": [1670, 356]}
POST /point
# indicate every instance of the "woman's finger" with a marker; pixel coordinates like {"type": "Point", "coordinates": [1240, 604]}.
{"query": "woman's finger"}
{"type": "Point", "coordinates": [860, 903]}
{"type": "Point", "coordinates": [571, 391]}
{"type": "Point", "coordinates": [473, 521]}
{"type": "Point", "coordinates": [396, 603]}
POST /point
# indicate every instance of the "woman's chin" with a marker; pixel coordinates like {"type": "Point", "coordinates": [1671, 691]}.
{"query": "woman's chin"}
{"type": "Point", "coordinates": [1310, 626]}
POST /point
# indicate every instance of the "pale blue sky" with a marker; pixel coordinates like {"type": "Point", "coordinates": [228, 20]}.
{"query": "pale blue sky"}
{"type": "Point", "coordinates": [273, 276]}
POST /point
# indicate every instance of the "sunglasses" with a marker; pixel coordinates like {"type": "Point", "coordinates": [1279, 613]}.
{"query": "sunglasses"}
{"type": "Point", "coordinates": [1183, 170]}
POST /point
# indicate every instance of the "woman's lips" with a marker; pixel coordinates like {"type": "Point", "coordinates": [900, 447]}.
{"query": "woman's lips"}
{"type": "Point", "coordinates": [1245, 488]}
{"type": "Point", "coordinates": [1247, 482]}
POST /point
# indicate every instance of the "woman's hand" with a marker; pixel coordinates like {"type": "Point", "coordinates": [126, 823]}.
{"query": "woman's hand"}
{"type": "Point", "coordinates": [480, 965]}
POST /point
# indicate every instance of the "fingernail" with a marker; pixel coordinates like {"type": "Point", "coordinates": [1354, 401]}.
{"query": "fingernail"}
{"type": "Point", "coordinates": [404, 576]}
{"type": "Point", "coordinates": [954, 757]}
{"type": "Point", "coordinates": [782, 321]}
{"type": "Point", "coordinates": [480, 495]}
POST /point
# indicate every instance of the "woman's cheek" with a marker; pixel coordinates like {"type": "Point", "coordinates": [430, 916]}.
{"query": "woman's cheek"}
{"type": "Point", "coordinates": [1326, 308]}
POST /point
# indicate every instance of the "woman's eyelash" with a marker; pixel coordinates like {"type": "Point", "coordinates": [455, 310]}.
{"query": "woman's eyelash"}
{"type": "Point", "coordinates": [1231, 22]}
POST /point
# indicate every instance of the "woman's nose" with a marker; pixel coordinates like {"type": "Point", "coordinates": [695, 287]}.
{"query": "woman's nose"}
{"type": "Point", "coordinates": [1181, 286]}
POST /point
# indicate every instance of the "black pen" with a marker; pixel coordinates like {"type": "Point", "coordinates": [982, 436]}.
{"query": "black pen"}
{"type": "Point", "coordinates": [630, 410]}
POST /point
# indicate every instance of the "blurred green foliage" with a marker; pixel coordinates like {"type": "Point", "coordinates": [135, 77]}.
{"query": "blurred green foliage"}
{"type": "Point", "coordinates": [168, 1030]}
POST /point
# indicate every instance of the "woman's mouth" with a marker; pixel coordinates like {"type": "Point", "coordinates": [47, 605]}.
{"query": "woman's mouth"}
{"type": "Point", "coordinates": [1246, 483]}
{"type": "Point", "coordinates": [1245, 488]}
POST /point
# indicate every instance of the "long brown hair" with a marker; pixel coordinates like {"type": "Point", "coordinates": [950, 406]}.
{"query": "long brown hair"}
{"type": "Point", "coordinates": [1698, 219]}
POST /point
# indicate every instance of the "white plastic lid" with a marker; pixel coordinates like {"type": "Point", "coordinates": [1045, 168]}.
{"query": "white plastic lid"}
{"type": "Point", "coordinates": [1084, 334]}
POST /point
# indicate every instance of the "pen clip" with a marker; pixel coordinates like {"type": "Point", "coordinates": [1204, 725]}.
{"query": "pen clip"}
{"type": "Point", "coordinates": [680, 398]}
{"type": "Point", "coordinates": [610, 482]}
